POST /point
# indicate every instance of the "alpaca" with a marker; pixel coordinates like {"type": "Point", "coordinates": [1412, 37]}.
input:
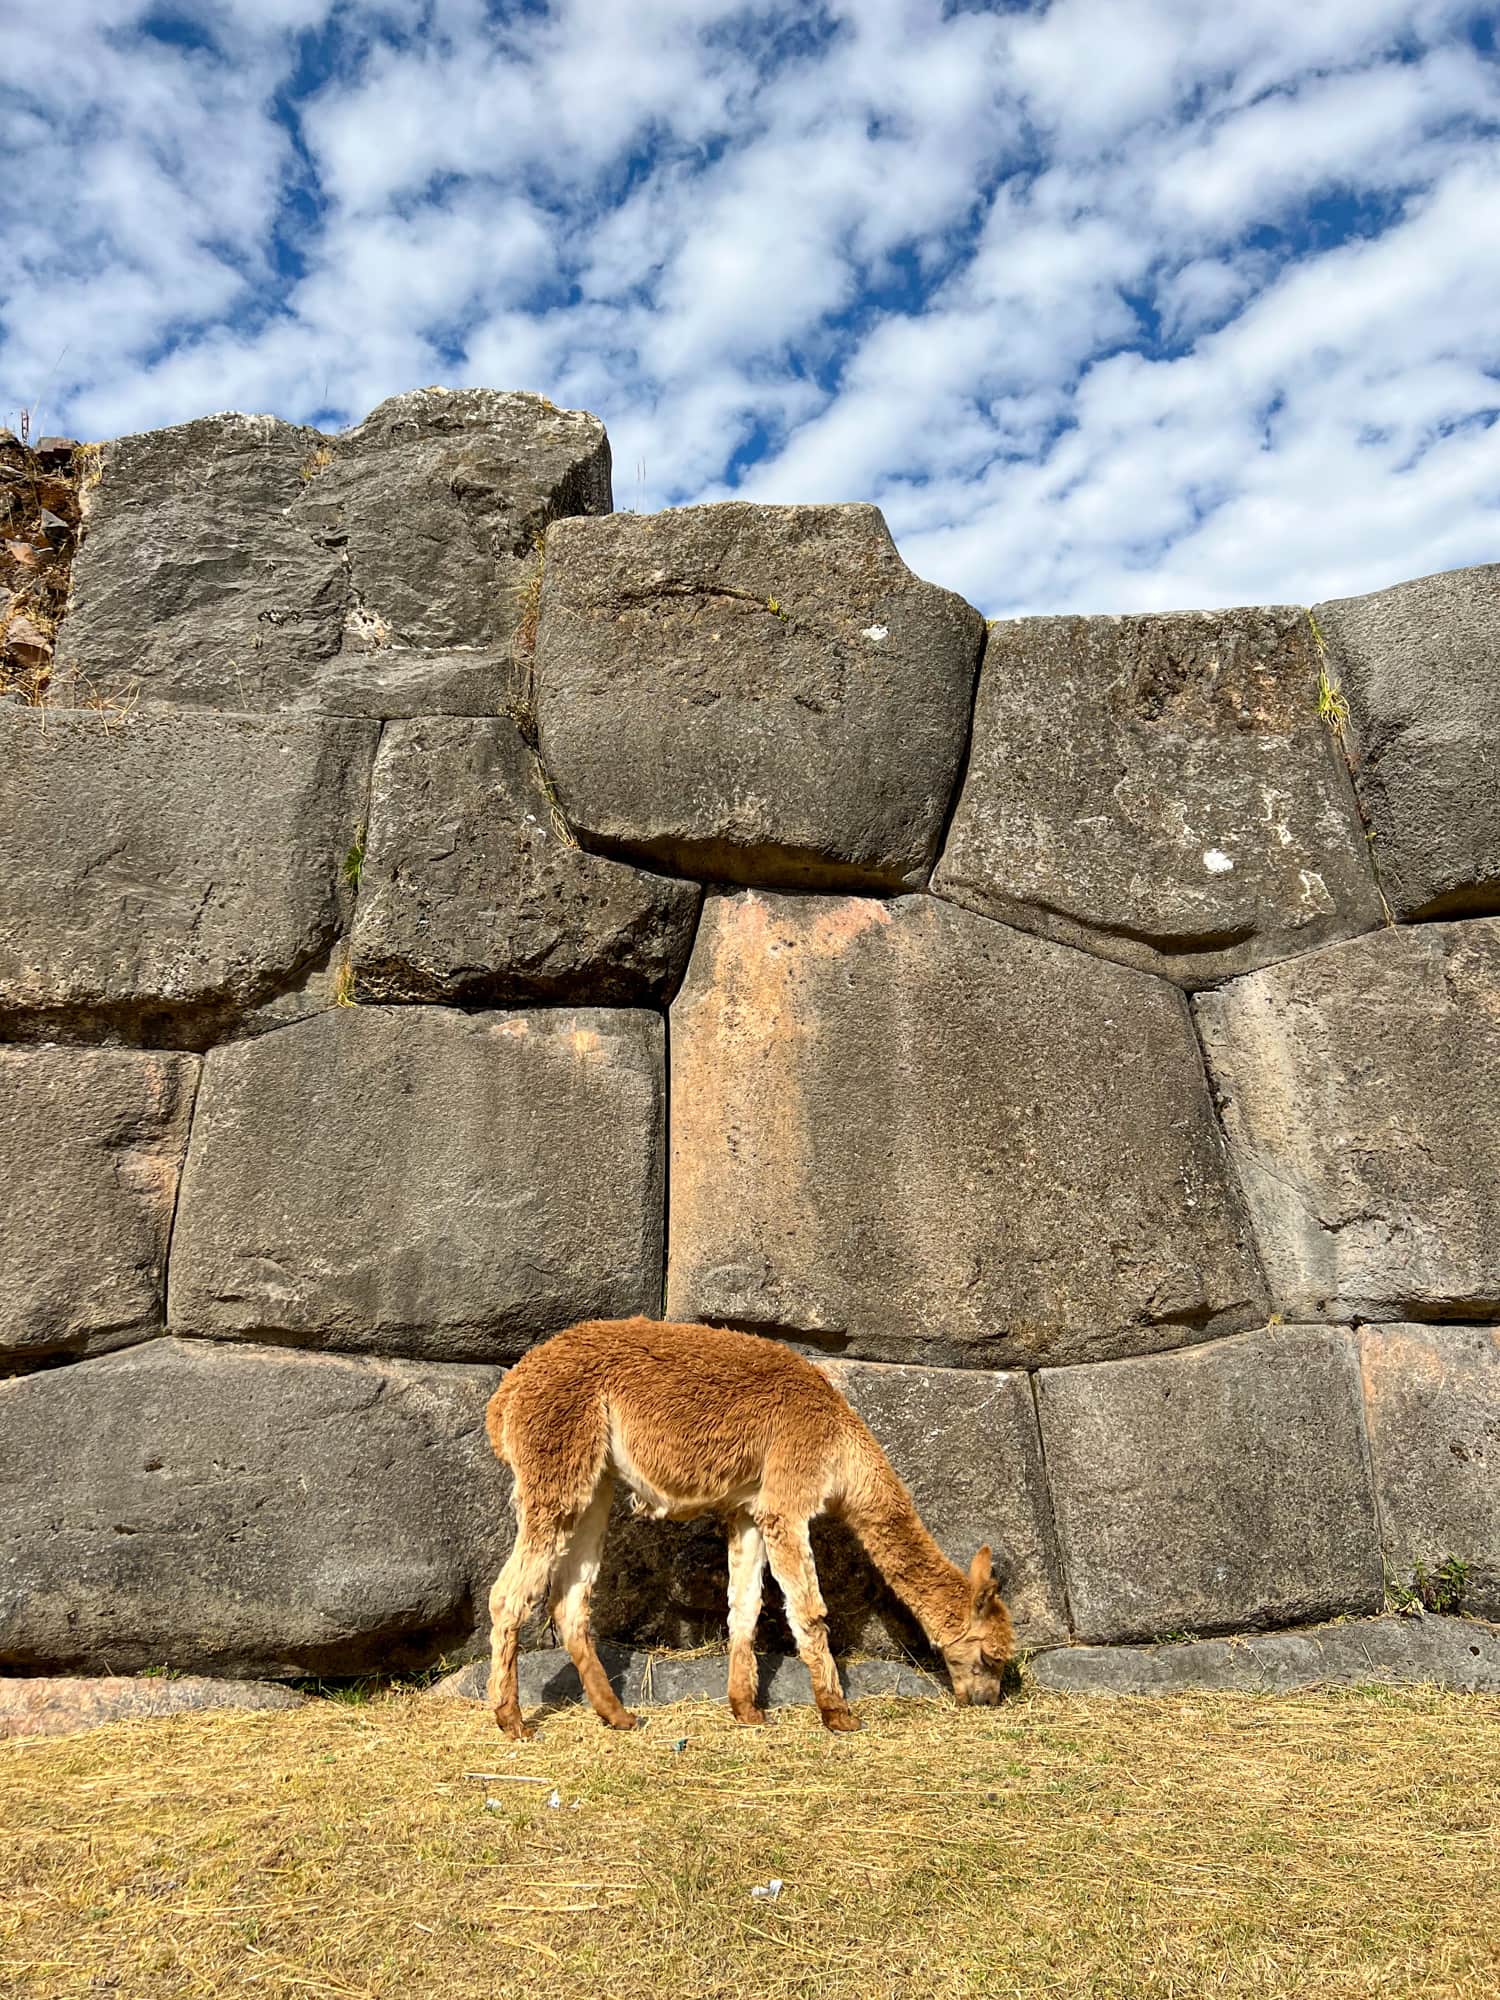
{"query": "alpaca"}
{"type": "Point", "coordinates": [701, 1420]}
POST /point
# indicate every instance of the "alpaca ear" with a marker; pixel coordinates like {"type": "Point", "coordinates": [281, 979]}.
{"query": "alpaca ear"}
{"type": "Point", "coordinates": [981, 1572]}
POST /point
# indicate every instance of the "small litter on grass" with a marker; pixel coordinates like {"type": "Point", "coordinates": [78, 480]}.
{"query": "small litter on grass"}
{"type": "Point", "coordinates": [768, 1891]}
{"type": "Point", "coordinates": [494, 1805]}
{"type": "Point", "coordinates": [679, 1746]}
{"type": "Point", "coordinates": [554, 1801]}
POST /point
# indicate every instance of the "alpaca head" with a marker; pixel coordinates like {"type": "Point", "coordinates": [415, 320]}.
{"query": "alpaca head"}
{"type": "Point", "coordinates": [977, 1659]}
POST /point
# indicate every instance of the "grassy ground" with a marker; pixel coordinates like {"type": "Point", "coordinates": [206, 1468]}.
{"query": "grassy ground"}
{"type": "Point", "coordinates": [1332, 1845]}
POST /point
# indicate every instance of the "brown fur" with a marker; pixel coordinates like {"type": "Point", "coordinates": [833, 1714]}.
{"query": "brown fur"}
{"type": "Point", "coordinates": [700, 1420]}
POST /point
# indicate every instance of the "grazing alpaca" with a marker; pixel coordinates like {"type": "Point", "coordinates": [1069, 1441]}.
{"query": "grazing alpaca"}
{"type": "Point", "coordinates": [699, 1420]}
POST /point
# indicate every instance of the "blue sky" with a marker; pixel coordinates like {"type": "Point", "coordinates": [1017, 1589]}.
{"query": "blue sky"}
{"type": "Point", "coordinates": [1111, 305]}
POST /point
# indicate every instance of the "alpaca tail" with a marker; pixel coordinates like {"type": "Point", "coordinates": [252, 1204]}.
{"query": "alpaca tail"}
{"type": "Point", "coordinates": [494, 1417]}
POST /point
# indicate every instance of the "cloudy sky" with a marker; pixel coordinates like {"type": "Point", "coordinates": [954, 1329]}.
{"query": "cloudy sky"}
{"type": "Point", "coordinates": [1110, 304]}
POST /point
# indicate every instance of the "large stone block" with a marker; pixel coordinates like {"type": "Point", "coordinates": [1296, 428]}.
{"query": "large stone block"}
{"type": "Point", "coordinates": [412, 1180]}
{"type": "Point", "coordinates": [195, 581]}
{"type": "Point", "coordinates": [966, 1443]}
{"type": "Point", "coordinates": [1420, 667]}
{"type": "Point", "coordinates": [470, 892]}
{"type": "Point", "coordinates": [912, 1134]}
{"type": "Point", "coordinates": [1160, 790]}
{"type": "Point", "coordinates": [753, 694]}
{"type": "Point", "coordinates": [91, 1146]}
{"type": "Point", "coordinates": [1432, 1407]}
{"type": "Point", "coordinates": [1360, 1088]}
{"type": "Point", "coordinates": [1218, 1488]}
{"type": "Point", "coordinates": [243, 1511]}
{"type": "Point", "coordinates": [167, 874]}
{"type": "Point", "coordinates": [1353, 1652]}
{"type": "Point", "coordinates": [245, 563]}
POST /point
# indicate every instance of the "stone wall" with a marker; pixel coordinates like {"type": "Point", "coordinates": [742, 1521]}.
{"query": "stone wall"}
{"type": "Point", "coordinates": [436, 910]}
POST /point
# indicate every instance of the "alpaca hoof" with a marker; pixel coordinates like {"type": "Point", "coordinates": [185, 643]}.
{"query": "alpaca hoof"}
{"type": "Point", "coordinates": [624, 1720]}
{"type": "Point", "coordinates": [517, 1730]}
{"type": "Point", "coordinates": [840, 1719]}
{"type": "Point", "coordinates": [748, 1714]}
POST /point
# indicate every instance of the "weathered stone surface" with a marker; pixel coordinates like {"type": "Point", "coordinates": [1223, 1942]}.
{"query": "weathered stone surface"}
{"type": "Point", "coordinates": [1441, 1652]}
{"type": "Point", "coordinates": [752, 694]}
{"type": "Point", "coordinates": [166, 874]}
{"type": "Point", "coordinates": [1218, 1488]}
{"type": "Point", "coordinates": [195, 580]}
{"type": "Point", "coordinates": [440, 499]}
{"type": "Point", "coordinates": [245, 1510]}
{"type": "Point", "coordinates": [469, 891]}
{"type": "Point", "coordinates": [1432, 1409]}
{"type": "Point", "coordinates": [965, 1442]}
{"type": "Point", "coordinates": [61, 1705]}
{"type": "Point", "coordinates": [414, 1180]}
{"type": "Point", "coordinates": [91, 1147]}
{"type": "Point", "coordinates": [245, 563]}
{"type": "Point", "coordinates": [1160, 790]}
{"type": "Point", "coordinates": [1420, 667]}
{"type": "Point", "coordinates": [548, 1678]}
{"type": "Point", "coordinates": [910, 1133]}
{"type": "Point", "coordinates": [1360, 1087]}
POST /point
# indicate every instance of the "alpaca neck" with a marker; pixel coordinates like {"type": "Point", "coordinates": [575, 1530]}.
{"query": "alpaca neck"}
{"type": "Point", "coordinates": [881, 1512]}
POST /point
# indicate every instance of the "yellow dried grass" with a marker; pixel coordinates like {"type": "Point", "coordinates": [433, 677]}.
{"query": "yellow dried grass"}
{"type": "Point", "coordinates": [1340, 1845]}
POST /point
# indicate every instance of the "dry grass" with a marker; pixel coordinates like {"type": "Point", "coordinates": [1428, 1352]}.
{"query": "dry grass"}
{"type": "Point", "coordinates": [1334, 1845]}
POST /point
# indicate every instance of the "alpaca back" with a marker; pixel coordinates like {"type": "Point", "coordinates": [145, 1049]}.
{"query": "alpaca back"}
{"type": "Point", "coordinates": [689, 1413]}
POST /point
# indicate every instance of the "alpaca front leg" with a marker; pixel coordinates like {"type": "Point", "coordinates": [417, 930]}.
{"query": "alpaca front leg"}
{"type": "Point", "coordinates": [747, 1562]}
{"type": "Point", "coordinates": [790, 1555]}
{"type": "Point", "coordinates": [519, 1589]}
{"type": "Point", "coordinates": [570, 1607]}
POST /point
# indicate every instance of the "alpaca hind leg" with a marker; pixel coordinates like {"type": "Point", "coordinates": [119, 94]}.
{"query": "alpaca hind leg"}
{"type": "Point", "coordinates": [571, 1587]}
{"type": "Point", "coordinates": [747, 1562]}
{"type": "Point", "coordinates": [790, 1555]}
{"type": "Point", "coordinates": [519, 1589]}
{"type": "Point", "coordinates": [555, 1437]}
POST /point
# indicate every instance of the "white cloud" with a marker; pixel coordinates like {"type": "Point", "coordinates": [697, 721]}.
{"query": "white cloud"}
{"type": "Point", "coordinates": [893, 253]}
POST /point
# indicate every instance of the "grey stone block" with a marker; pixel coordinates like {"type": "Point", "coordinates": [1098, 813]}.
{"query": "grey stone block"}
{"type": "Point", "coordinates": [242, 1510]}
{"type": "Point", "coordinates": [1360, 1089]}
{"type": "Point", "coordinates": [470, 892]}
{"type": "Point", "coordinates": [440, 499]}
{"type": "Point", "coordinates": [414, 1180]}
{"type": "Point", "coordinates": [1223, 1487]}
{"type": "Point", "coordinates": [169, 874]}
{"type": "Point", "coordinates": [1420, 667]}
{"type": "Point", "coordinates": [908, 1133]}
{"type": "Point", "coordinates": [548, 1679]}
{"type": "Point", "coordinates": [244, 563]}
{"type": "Point", "coordinates": [1432, 1407]}
{"type": "Point", "coordinates": [752, 694]}
{"type": "Point", "coordinates": [1160, 790]}
{"type": "Point", "coordinates": [1403, 1652]}
{"type": "Point", "coordinates": [62, 1705]}
{"type": "Point", "coordinates": [195, 580]}
{"type": "Point", "coordinates": [91, 1147]}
